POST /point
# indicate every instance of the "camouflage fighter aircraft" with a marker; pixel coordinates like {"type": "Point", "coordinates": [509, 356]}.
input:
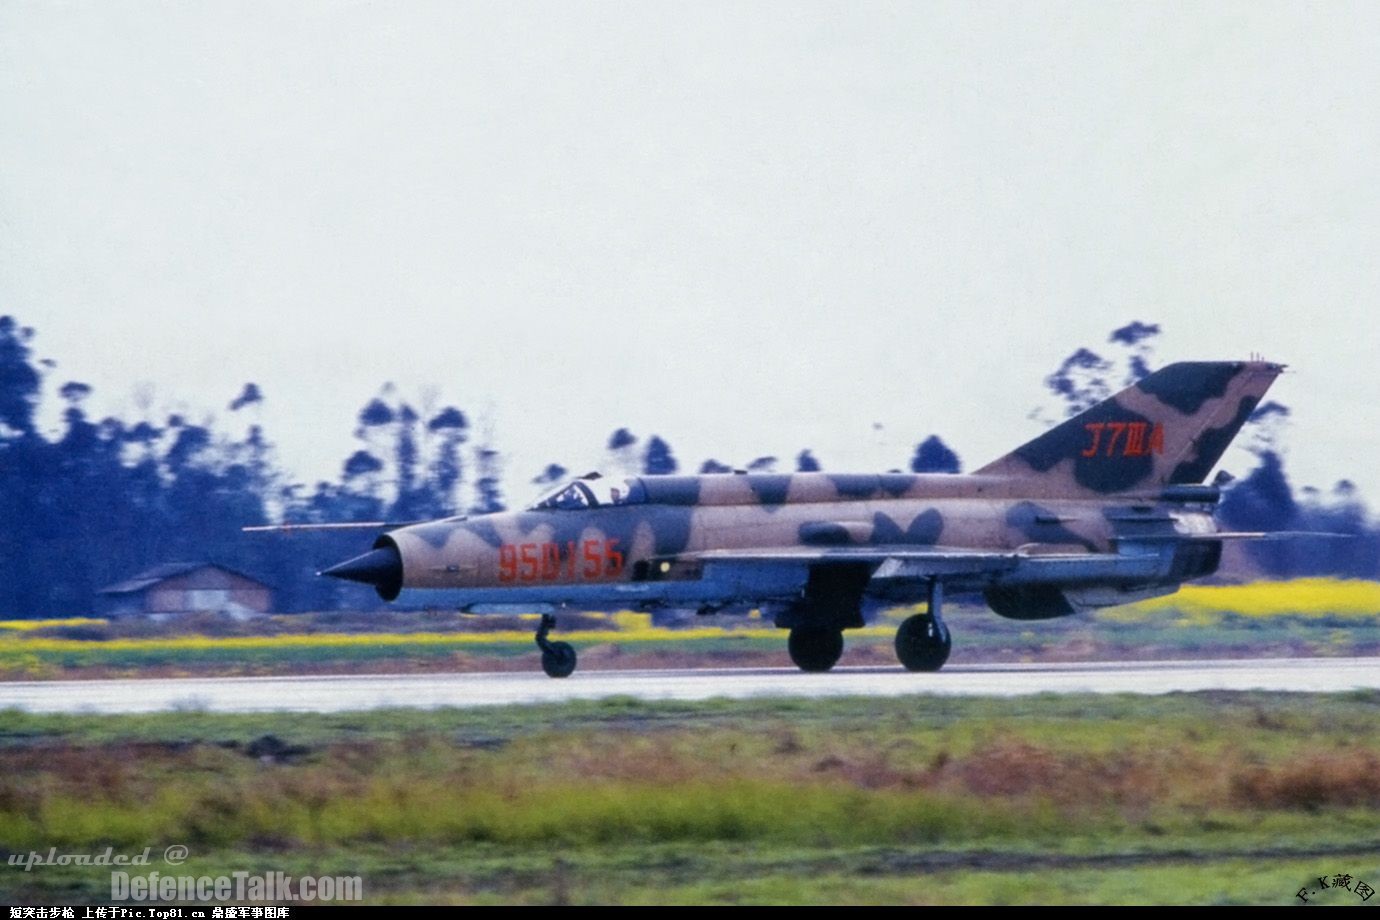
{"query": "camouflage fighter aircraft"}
{"type": "Point", "coordinates": [1106, 508]}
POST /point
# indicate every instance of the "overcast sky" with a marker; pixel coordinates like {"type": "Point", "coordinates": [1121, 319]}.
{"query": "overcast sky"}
{"type": "Point", "coordinates": [747, 227]}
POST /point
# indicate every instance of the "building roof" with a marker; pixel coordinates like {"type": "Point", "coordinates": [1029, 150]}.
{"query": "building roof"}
{"type": "Point", "coordinates": [160, 573]}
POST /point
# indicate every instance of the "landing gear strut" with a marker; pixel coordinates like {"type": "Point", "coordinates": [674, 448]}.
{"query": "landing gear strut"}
{"type": "Point", "coordinates": [557, 658]}
{"type": "Point", "coordinates": [830, 603]}
{"type": "Point", "coordinates": [815, 648]}
{"type": "Point", "coordinates": [922, 642]}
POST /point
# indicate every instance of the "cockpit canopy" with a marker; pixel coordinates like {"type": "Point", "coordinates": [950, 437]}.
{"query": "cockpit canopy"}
{"type": "Point", "coordinates": [592, 491]}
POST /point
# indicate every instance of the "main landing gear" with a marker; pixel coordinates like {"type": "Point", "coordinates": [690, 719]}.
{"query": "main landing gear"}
{"type": "Point", "coordinates": [830, 603]}
{"type": "Point", "coordinates": [815, 648]}
{"type": "Point", "coordinates": [922, 642]}
{"type": "Point", "coordinates": [557, 658]}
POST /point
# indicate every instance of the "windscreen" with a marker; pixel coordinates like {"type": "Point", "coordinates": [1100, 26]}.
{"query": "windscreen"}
{"type": "Point", "coordinates": [596, 492]}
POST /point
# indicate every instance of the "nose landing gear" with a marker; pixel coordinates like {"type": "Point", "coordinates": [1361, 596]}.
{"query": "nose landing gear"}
{"type": "Point", "coordinates": [557, 658]}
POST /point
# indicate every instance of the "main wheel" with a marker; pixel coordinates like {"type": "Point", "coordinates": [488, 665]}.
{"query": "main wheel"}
{"type": "Point", "coordinates": [815, 649]}
{"type": "Point", "coordinates": [922, 643]}
{"type": "Point", "coordinates": [558, 660]}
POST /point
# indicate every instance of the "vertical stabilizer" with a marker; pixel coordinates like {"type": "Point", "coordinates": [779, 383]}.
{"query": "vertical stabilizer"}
{"type": "Point", "coordinates": [1169, 428]}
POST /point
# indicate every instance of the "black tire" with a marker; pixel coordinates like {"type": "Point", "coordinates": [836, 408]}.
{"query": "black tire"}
{"type": "Point", "coordinates": [922, 644]}
{"type": "Point", "coordinates": [815, 649]}
{"type": "Point", "coordinates": [558, 660]}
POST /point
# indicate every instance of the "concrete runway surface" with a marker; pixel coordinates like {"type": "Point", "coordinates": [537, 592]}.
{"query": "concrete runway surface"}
{"type": "Point", "coordinates": [426, 691]}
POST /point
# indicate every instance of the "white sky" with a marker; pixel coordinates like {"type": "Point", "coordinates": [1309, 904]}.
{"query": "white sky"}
{"type": "Point", "coordinates": [747, 227]}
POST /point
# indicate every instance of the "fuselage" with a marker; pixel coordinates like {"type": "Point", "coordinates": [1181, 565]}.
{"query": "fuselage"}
{"type": "Point", "coordinates": [651, 545]}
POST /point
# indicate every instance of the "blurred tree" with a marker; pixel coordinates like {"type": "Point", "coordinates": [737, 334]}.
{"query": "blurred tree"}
{"type": "Point", "coordinates": [375, 413]}
{"type": "Point", "coordinates": [249, 396]}
{"type": "Point", "coordinates": [657, 460]}
{"type": "Point", "coordinates": [553, 474]}
{"type": "Point", "coordinates": [1138, 338]}
{"type": "Point", "coordinates": [488, 484]}
{"type": "Point", "coordinates": [410, 502]}
{"type": "Point", "coordinates": [1081, 381]}
{"type": "Point", "coordinates": [361, 463]}
{"type": "Point", "coordinates": [1085, 378]}
{"type": "Point", "coordinates": [934, 456]}
{"type": "Point", "coordinates": [622, 454]}
{"type": "Point", "coordinates": [451, 429]}
{"type": "Point", "coordinates": [19, 380]}
{"type": "Point", "coordinates": [1262, 500]}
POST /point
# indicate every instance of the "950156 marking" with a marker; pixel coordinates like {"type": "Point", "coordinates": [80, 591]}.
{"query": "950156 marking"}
{"type": "Point", "coordinates": [573, 560]}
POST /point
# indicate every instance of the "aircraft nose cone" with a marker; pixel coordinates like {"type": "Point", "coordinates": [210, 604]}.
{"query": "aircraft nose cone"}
{"type": "Point", "coordinates": [380, 567]}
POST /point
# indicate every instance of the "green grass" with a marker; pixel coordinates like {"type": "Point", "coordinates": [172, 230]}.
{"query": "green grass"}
{"type": "Point", "coordinates": [1205, 797]}
{"type": "Point", "coordinates": [740, 874]}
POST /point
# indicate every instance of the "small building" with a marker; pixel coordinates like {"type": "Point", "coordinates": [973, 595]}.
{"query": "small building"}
{"type": "Point", "coordinates": [188, 587]}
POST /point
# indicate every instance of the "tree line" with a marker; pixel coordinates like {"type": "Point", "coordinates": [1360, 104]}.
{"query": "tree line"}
{"type": "Point", "coordinates": [101, 500]}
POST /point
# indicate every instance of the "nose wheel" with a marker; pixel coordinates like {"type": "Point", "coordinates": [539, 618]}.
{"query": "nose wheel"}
{"type": "Point", "coordinates": [557, 658]}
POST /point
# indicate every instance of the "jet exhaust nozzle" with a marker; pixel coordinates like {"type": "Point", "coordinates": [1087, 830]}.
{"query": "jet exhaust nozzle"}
{"type": "Point", "coordinates": [380, 567]}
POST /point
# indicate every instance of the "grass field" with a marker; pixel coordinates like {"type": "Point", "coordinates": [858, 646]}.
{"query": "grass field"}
{"type": "Point", "coordinates": [1187, 798]}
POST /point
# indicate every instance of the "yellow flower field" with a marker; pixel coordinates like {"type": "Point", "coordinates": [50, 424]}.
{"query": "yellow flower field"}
{"type": "Point", "coordinates": [1193, 605]}
{"type": "Point", "coordinates": [29, 625]}
{"type": "Point", "coordinates": [1301, 597]}
{"type": "Point", "coordinates": [647, 633]}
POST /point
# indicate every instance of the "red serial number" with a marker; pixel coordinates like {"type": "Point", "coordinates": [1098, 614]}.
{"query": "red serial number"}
{"type": "Point", "coordinates": [587, 559]}
{"type": "Point", "coordinates": [1140, 439]}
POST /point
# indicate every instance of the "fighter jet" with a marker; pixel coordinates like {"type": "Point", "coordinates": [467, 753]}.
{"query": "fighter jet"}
{"type": "Point", "coordinates": [1106, 508]}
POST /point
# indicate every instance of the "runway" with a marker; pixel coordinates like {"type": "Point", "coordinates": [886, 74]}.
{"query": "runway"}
{"type": "Point", "coordinates": [428, 691]}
